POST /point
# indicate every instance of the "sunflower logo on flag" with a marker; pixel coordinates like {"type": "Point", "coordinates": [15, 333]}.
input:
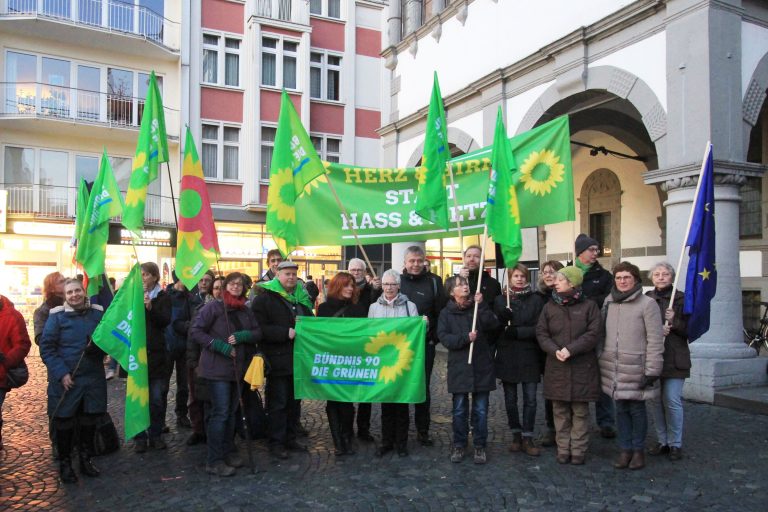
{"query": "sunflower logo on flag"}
{"type": "Point", "coordinates": [542, 185]}
{"type": "Point", "coordinates": [399, 342]}
{"type": "Point", "coordinates": [281, 184]}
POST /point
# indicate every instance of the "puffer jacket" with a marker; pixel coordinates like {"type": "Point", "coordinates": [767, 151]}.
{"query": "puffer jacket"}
{"type": "Point", "coordinates": [399, 307]}
{"type": "Point", "coordinates": [677, 354]}
{"type": "Point", "coordinates": [14, 338]}
{"type": "Point", "coordinates": [453, 329]}
{"type": "Point", "coordinates": [578, 326]}
{"type": "Point", "coordinates": [633, 347]}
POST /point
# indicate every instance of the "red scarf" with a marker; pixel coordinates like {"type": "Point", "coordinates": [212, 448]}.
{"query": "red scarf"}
{"type": "Point", "coordinates": [232, 302]}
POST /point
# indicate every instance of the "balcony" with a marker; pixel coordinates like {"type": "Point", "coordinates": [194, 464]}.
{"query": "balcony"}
{"type": "Point", "coordinates": [57, 202]}
{"type": "Point", "coordinates": [89, 110]}
{"type": "Point", "coordinates": [289, 11]}
{"type": "Point", "coordinates": [103, 20]}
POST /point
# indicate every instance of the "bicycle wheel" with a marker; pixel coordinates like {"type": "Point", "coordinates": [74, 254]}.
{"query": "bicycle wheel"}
{"type": "Point", "coordinates": [753, 340]}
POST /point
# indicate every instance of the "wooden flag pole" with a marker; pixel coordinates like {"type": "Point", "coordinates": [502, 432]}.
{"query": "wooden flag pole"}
{"type": "Point", "coordinates": [351, 227]}
{"type": "Point", "coordinates": [479, 283]}
{"type": "Point", "coordinates": [456, 206]}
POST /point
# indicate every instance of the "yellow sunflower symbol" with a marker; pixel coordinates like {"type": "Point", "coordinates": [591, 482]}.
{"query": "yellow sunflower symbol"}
{"type": "Point", "coordinates": [555, 174]}
{"type": "Point", "coordinates": [514, 206]}
{"type": "Point", "coordinates": [405, 355]}
{"type": "Point", "coordinates": [315, 183]}
{"type": "Point", "coordinates": [133, 390]}
{"type": "Point", "coordinates": [421, 174]}
{"type": "Point", "coordinates": [281, 183]}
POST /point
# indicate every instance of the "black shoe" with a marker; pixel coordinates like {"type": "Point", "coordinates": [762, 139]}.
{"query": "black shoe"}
{"type": "Point", "coordinates": [66, 471]}
{"type": "Point", "coordinates": [658, 449]}
{"type": "Point", "coordinates": [158, 444]}
{"type": "Point", "coordinates": [675, 453]}
{"type": "Point", "coordinates": [366, 436]}
{"type": "Point", "coordinates": [295, 446]}
{"type": "Point", "coordinates": [301, 431]}
{"type": "Point", "coordinates": [196, 438]}
{"type": "Point", "coordinates": [424, 439]}
{"type": "Point", "coordinates": [279, 452]}
{"type": "Point", "coordinates": [140, 446]}
{"type": "Point", "coordinates": [183, 422]}
{"type": "Point", "coordinates": [607, 432]}
{"type": "Point", "coordinates": [402, 451]}
{"type": "Point", "coordinates": [383, 450]}
{"type": "Point", "coordinates": [87, 468]}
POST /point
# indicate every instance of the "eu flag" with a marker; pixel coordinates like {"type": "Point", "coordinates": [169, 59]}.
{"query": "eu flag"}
{"type": "Point", "coordinates": [701, 278]}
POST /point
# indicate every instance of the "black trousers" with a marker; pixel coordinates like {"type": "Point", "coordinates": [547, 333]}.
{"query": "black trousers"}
{"type": "Point", "coordinates": [364, 418]}
{"type": "Point", "coordinates": [421, 411]}
{"type": "Point", "coordinates": [282, 409]}
{"type": "Point", "coordinates": [394, 424]}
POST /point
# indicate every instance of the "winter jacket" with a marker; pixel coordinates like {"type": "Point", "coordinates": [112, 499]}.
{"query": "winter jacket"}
{"type": "Point", "coordinates": [157, 319]}
{"type": "Point", "coordinates": [489, 287]}
{"type": "Point", "coordinates": [14, 339]}
{"type": "Point", "coordinates": [518, 355]}
{"type": "Point", "coordinates": [597, 284]}
{"type": "Point", "coordinates": [453, 329]}
{"type": "Point", "coordinates": [40, 316]}
{"type": "Point", "coordinates": [677, 355]}
{"type": "Point", "coordinates": [196, 303]}
{"type": "Point", "coordinates": [399, 307]}
{"type": "Point", "coordinates": [633, 347]}
{"type": "Point", "coordinates": [181, 314]}
{"type": "Point", "coordinates": [333, 307]}
{"type": "Point", "coordinates": [427, 292]}
{"type": "Point", "coordinates": [368, 294]}
{"type": "Point", "coordinates": [275, 316]}
{"type": "Point", "coordinates": [578, 326]}
{"type": "Point", "coordinates": [216, 321]}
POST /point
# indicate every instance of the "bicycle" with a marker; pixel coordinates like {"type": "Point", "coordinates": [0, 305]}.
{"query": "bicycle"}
{"type": "Point", "coordinates": [758, 339]}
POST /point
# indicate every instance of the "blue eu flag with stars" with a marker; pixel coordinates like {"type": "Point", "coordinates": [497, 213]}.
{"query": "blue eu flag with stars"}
{"type": "Point", "coordinates": [701, 278]}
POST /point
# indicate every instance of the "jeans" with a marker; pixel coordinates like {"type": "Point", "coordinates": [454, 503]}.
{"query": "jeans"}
{"type": "Point", "coordinates": [221, 423]}
{"type": "Point", "coordinates": [529, 407]}
{"type": "Point", "coordinates": [282, 409]}
{"type": "Point", "coordinates": [479, 419]}
{"type": "Point", "coordinates": [632, 423]}
{"type": "Point", "coordinates": [605, 412]}
{"type": "Point", "coordinates": [421, 411]}
{"type": "Point", "coordinates": [667, 413]}
{"type": "Point", "coordinates": [158, 403]}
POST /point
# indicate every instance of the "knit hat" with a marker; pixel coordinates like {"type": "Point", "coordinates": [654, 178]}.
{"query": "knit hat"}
{"type": "Point", "coordinates": [573, 275]}
{"type": "Point", "coordinates": [584, 242]}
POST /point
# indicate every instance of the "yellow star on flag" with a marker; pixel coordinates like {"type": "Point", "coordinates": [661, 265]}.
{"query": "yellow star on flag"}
{"type": "Point", "coordinates": [705, 274]}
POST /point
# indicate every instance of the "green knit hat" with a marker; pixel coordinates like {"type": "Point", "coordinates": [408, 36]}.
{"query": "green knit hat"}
{"type": "Point", "coordinates": [573, 275]}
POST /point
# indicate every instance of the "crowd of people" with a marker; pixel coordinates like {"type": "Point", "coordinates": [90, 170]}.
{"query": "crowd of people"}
{"type": "Point", "coordinates": [588, 334]}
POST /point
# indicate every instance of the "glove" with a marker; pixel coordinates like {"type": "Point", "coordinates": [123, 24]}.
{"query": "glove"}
{"type": "Point", "coordinates": [222, 347]}
{"type": "Point", "coordinates": [243, 337]}
{"type": "Point", "coordinates": [648, 381]}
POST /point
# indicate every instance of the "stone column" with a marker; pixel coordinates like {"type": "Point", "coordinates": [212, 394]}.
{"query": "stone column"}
{"type": "Point", "coordinates": [720, 359]}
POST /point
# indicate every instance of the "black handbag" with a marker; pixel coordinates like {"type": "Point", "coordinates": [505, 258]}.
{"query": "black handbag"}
{"type": "Point", "coordinates": [18, 376]}
{"type": "Point", "coordinates": [105, 439]}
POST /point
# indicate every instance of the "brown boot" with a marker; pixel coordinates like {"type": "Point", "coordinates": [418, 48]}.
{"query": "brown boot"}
{"type": "Point", "coordinates": [638, 460]}
{"type": "Point", "coordinates": [624, 459]}
{"type": "Point", "coordinates": [530, 448]}
{"type": "Point", "coordinates": [517, 442]}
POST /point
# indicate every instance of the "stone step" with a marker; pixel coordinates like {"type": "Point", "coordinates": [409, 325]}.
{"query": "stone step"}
{"type": "Point", "coordinates": [751, 399]}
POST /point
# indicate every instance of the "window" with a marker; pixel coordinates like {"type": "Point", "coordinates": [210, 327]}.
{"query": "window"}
{"type": "Point", "coordinates": [21, 89]}
{"type": "Point", "coordinates": [324, 74]}
{"type": "Point", "coordinates": [328, 148]}
{"type": "Point", "coordinates": [221, 152]}
{"type": "Point", "coordinates": [750, 208]}
{"type": "Point", "coordinates": [38, 178]}
{"type": "Point", "coordinates": [279, 59]}
{"type": "Point", "coordinates": [221, 52]}
{"type": "Point", "coordinates": [329, 8]}
{"type": "Point", "coordinates": [120, 95]}
{"type": "Point", "coordinates": [267, 148]}
{"type": "Point", "coordinates": [86, 168]}
{"type": "Point", "coordinates": [600, 230]}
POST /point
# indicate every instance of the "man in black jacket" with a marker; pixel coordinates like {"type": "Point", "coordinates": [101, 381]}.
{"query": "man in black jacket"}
{"type": "Point", "coordinates": [489, 286]}
{"type": "Point", "coordinates": [276, 309]}
{"type": "Point", "coordinates": [596, 287]}
{"type": "Point", "coordinates": [424, 289]}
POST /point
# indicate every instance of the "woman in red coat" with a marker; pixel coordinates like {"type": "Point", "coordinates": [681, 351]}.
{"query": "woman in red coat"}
{"type": "Point", "coordinates": [14, 347]}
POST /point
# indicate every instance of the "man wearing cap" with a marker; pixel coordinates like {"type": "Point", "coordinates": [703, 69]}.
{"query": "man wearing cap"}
{"type": "Point", "coordinates": [596, 286]}
{"type": "Point", "coordinates": [276, 309]}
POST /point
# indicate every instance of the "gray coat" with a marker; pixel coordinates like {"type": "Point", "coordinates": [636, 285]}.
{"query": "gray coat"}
{"type": "Point", "coordinates": [634, 347]}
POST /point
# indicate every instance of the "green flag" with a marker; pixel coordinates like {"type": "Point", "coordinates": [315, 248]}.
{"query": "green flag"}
{"type": "Point", "coordinates": [502, 213]}
{"type": "Point", "coordinates": [80, 210]}
{"type": "Point", "coordinates": [122, 334]}
{"type": "Point", "coordinates": [151, 151]}
{"type": "Point", "coordinates": [104, 202]}
{"type": "Point", "coordinates": [431, 199]}
{"type": "Point", "coordinates": [360, 359]}
{"type": "Point", "coordinates": [294, 165]}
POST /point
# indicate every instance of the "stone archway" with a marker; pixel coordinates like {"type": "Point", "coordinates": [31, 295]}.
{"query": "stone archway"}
{"type": "Point", "coordinates": [457, 137]}
{"type": "Point", "coordinates": [600, 213]}
{"type": "Point", "coordinates": [754, 97]}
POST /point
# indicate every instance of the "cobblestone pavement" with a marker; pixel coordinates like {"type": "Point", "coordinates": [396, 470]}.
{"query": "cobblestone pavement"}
{"type": "Point", "coordinates": [725, 468]}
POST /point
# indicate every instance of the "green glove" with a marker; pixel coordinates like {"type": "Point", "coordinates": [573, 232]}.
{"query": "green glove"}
{"type": "Point", "coordinates": [222, 347]}
{"type": "Point", "coordinates": [243, 337]}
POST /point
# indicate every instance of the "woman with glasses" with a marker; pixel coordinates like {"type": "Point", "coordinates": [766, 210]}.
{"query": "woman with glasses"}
{"type": "Point", "coordinates": [394, 417]}
{"type": "Point", "coordinates": [227, 331]}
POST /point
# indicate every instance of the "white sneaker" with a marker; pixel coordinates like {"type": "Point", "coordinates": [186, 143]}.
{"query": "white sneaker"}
{"type": "Point", "coordinates": [110, 374]}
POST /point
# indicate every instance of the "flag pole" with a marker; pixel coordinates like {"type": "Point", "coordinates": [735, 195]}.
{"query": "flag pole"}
{"type": "Point", "coordinates": [688, 229]}
{"type": "Point", "coordinates": [351, 227]}
{"type": "Point", "coordinates": [173, 198]}
{"type": "Point", "coordinates": [479, 283]}
{"type": "Point", "coordinates": [456, 206]}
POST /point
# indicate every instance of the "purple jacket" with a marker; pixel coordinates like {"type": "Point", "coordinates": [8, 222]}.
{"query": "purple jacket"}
{"type": "Point", "coordinates": [211, 323]}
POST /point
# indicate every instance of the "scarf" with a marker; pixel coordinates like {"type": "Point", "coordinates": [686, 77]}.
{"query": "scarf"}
{"type": "Point", "coordinates": [619, 297]}
{"type": "Point", "coordinates": [664, 293]}
{"type": "Point", "coordinates": [232, 302]}
{"type": "Point", "coordinates": [520, 293]}
{"type": "Point", "coordinates": [571, 297]}
{"type": "Point", "coordinates": [299, 295]}
{"type": "Point", "coordinates": [581, 266]}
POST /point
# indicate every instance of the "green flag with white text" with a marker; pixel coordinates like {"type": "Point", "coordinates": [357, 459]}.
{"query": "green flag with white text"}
{"type": "Point", "coordinates": [360, 359]}
{"type": "Point", "coordinates": [122, 334]}
{"type": "Point", "coordinates": [104, 203]}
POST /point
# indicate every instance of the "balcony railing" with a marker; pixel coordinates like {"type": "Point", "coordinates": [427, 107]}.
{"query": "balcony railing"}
{"type": "Point", "coordinates": [291, 11]}
{"type": "Point", "coordinates": [58, 202]}
{"type": "Point", "coordinates": [34, 99]}
{"type": "Point", "coordinates": [110, 15]}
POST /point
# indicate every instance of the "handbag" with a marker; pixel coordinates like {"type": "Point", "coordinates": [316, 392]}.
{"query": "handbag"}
{"type": "Point", "coordinates": [105, 439]}
{"type": "Point", "coordinates": [17, 376]}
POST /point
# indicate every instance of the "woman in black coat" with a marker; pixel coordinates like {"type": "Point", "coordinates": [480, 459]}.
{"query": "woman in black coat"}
{"type": "Point", "coordinates": [342, 302]}
{"type": "Point", "coordinates": [518, 355]}
{"type": "Point", "coordinates": [454, 330]}
{"type": "Point", "coordinates": [157, 305]}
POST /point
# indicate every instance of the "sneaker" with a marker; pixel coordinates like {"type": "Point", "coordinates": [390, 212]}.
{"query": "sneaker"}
{"type": "Point", "coordinates": [140, 446]}
{"type": "Point", "coordinates": [110, 374]}
{"type": "Point", "coordinates": [234, 460]}
{"type": "Point", "coordinates": [219, 468]}
{"type": "Point", "coordinates": [658, 449]}
{"type": "Point", "coordinates": [480, 457]}
{"type": "Point", "coordinates": [158, 444]}
{"type": "Point", "coordinates": [457, 454]}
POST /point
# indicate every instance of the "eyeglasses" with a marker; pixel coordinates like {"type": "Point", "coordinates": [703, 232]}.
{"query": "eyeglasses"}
{"type": "Point", "coordinates": [624, 278]}
{"type": "Point", "coordinates": [593, 249]}
{"type": "Point", "coordinates": [548, 273]}
{"type": "Point", "coordinates": [389, 284]}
